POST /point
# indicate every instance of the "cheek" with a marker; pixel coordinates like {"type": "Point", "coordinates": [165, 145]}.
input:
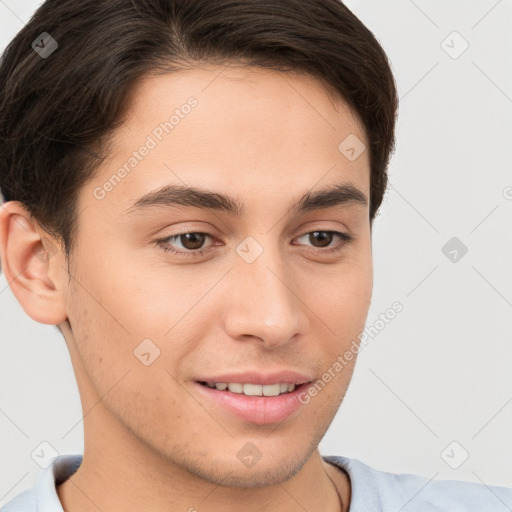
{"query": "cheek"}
{"type": "Point", "coordinates": [342, 298]}
{"type": "Point", "coordinates": [151, 296]}
{"type": "Point", "coordinates": [129, 322]}
{"type": "Point", "coordinates": [133, 372]}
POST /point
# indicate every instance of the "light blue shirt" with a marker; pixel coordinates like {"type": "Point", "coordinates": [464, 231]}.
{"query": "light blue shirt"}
{"type": "Point", "coordinates": [372, 490]}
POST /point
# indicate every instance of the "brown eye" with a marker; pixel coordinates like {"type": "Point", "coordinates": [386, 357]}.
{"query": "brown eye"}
{"type": "Point", "coordinates": [323, 237]}
{"type": "Point", "coordinates": [192, 241]}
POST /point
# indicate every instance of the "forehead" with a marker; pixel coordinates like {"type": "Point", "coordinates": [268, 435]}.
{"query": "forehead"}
{"type": "Point", "coordinates": [224, 127]}
{"type": "Point", "coordinates": [236, 90]}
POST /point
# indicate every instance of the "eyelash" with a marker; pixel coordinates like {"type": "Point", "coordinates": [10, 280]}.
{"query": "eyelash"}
{"type": "Point", "coordinates": [164, 245]}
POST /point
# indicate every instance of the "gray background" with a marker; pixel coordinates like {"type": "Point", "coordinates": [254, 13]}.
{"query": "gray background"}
{"type": "Point", "coordinates": [440, 371]}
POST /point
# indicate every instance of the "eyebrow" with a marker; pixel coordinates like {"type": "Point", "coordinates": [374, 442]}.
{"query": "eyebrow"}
{"type": "Point", "coordinates": [171, 195]}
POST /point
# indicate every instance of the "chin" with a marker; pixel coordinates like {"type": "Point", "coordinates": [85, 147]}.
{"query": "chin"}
{"type": "Point", "coordinates": [236, 469]}
{"type": "Point", "coordinates": [262, 474]}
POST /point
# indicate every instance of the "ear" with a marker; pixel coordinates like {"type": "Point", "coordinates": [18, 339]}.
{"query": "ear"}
{"type": "Point", "coordinates": [33, 264]}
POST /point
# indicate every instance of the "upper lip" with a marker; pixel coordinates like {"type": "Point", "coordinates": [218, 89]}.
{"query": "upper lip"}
{"type": "Point", "coordinates": [253, 377]}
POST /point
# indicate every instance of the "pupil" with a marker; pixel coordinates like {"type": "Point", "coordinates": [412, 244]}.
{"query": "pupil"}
{"type": "Point", "coordinates": [323, 235]}
{"type": "Point", "coordinates": [199, 240]}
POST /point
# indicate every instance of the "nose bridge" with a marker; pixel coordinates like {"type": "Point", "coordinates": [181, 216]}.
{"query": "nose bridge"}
{"type": "Point", "coordinates": [263, 302]}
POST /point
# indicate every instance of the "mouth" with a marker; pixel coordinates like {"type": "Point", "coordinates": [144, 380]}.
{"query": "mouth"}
{"type": "Point", "coordinates": [249, 389]}
{"type": "Point", "coordinates": [254, 403]}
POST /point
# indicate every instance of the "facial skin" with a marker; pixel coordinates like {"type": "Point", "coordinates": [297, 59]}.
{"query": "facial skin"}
{"type": "Point", "coordinates": [265, 139]}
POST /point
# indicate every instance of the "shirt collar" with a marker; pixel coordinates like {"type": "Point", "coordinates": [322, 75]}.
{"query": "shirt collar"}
{"type": "Point", "coordinates": [61, 468]}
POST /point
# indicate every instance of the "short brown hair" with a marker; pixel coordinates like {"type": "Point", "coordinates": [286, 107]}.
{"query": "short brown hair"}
{"type": "Point", "coordinates": [56, 113]}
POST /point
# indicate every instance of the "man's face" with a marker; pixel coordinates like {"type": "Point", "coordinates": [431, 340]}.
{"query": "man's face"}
{"type": "Point", "coordinates": [269, 293]}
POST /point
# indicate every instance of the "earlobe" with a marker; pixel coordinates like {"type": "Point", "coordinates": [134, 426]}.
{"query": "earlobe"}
{"type": "Point", "coordinates": [31, 265]}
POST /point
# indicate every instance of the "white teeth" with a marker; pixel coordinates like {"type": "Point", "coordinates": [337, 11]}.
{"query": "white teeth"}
{"type": "Point", "coordinates": [253, 389]}
{"type": "Point", "coordinates": [271, 390]}
{"type": "Point", "coordinates": [235, 387]}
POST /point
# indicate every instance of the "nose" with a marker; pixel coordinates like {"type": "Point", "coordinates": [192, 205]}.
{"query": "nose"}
{"type": "Point", "coordinates": [264, 301]}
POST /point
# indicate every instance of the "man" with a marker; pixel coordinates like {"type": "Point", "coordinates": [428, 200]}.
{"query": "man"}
{"type": "Point", "coordinates": [189, 198]}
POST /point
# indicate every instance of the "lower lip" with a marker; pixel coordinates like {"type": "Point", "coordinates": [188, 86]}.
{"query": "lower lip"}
{"type": "Point", "coordinates": [261, 410]}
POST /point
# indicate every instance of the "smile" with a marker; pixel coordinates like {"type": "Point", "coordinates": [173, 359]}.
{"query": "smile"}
{"type": "Point", "coordinates": [249, 402]}
{"type": "Point", "coordinates": [252, 389]}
